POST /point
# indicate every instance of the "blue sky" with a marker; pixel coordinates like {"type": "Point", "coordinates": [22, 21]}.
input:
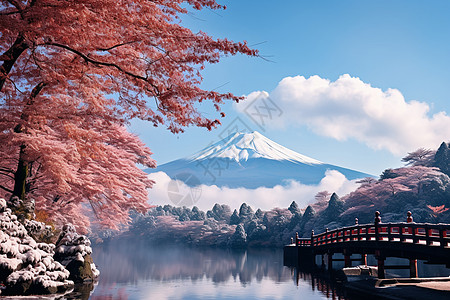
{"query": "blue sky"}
{"type": "Point", "coordinates": [382, 45]}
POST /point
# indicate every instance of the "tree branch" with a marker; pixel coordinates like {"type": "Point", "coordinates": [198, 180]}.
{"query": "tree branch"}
{"type": "Point", "coordinates": [17, 5]}
{"type": "Point", "coordinates": [98, 63]}
{"type": "Point", "coordinates": [6, 189]}
{"type": "Point", "coordinates": [6, 174]}
{"type": "Point", "coordinates": [9, 13]}
{"type": "Point", "coordinates": [10, 57]}
{"type": "Point", "coordinates": [116, 46]}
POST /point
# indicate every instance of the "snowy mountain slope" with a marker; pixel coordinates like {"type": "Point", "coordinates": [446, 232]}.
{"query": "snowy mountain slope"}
{"type": "Point", "coordinates": [244, 146]}
{"type": "Point", "coordinates": [249, 160]}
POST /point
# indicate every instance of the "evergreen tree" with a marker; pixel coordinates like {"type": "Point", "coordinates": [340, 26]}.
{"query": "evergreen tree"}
{"type": "Point", "coordinates": [245, 213]}
{"type": "Point", "coordinates": [197, 214]}
{"type": "Point", "coordinates": [220, 212]}
{"type": "Point", "coordinates": [294, 209]}
{"type": "Point", "coordinates": [388, 174]}
{"type": "Point", "coordinates": [442, 158]}
{"type": "Point", "coordinates": [259, 214]}
{"type": "Point", "coordinates": [239, 238]}
{"type": "Point", "coordinates": [307, 216]}
{"type": "Point", "coordinates": [234, 219]}
{"type": "Point", "coordinates": [334, 209]}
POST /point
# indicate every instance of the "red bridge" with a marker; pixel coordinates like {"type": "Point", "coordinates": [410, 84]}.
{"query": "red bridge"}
{"type": "Point", "coordinates": [413, 241]}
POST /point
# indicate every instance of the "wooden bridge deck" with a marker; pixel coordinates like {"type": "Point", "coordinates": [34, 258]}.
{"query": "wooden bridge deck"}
{"type": "Point", "coordinates": [423, 241]}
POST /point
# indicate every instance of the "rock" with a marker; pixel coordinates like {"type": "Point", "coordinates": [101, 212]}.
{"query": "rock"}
{"type": "Point", "coordinates": [73, 251]}
{"type": "Point", "coordinates": [81, 271]}
{"type": "Point", "coordinates": [19, 288]}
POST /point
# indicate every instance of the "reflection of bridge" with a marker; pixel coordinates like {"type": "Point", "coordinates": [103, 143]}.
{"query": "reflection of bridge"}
{"type": "Point", "coordinates": [429, 242]}
{"type": "Point", "coordinates": [327, 287]}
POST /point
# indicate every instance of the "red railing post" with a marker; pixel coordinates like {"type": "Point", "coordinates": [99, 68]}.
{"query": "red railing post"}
{"type": "Point", "coordinates": [312, 238]}
{"type": "Point", "coordinates": [377, 222]}
{"type": "Point", "coordinates": [442, 241]}
{"type": "Point", "coordinates": [414, 230]}
{"type": "Point", "coordinates": [409, 218]}
{"type": "Point", "coordinates": [428, 235]}
{"type": "Point", "coordinates": [389, 233]}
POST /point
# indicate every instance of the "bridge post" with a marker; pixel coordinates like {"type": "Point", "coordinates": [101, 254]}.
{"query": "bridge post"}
{"type": "Point", "coordinates": [296, 239]}
{"type": "Point", "coordinates": [409, 218]}
{"type": "Point", "coordinates": [412, 268]}
{"type": "Point", "coordinates": [377, 222]}
{"type": "Point", "coordinates": [380, 258]}
{"type": "Point", "coordinates": [347, 259]}
{"type": "Point", "coordinates": [330, 260]}
{"type": "Point", "coordinates": [364, 259]}
{"type": "Point", "coordinates": [312, 250]}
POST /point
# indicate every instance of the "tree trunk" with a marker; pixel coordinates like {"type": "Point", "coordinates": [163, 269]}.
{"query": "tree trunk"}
{"type": "Point", "coordinates": [10, 56]}
{"type": "Point", "coordinates": [20, 177]}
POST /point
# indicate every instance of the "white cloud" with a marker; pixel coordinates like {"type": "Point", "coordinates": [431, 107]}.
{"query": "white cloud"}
{"type": "Point", "coordinates": [348, 108]}
{"type": "Point", "coordinates": [264, 198]}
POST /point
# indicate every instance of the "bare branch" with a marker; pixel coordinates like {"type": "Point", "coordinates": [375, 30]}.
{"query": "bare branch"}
{"type": "Point", "coordinates": [118, 45]}
{"type": "Point", "coordinates": [97, 62]}
{"type": "Point", "coordinates": [6, 189]}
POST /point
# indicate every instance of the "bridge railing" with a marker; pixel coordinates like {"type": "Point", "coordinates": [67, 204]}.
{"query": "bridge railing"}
{"type": "Point", "coordinates": [406, 232]}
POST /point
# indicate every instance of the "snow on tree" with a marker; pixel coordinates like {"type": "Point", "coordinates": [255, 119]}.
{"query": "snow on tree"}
{"type": "Point", "coordinates": [245, 213]}
{"type": "Point", "coordinates": [219, 212]}
{"type": "Point", "coordinates": [73, 74]}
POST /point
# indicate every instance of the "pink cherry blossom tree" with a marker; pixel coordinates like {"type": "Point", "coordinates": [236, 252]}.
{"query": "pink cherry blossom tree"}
{"type": "Point", "coordinates": [72, 74]}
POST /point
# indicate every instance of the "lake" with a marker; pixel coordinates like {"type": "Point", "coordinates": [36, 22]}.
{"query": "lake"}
{"type": "Point", "coordinates": [139, 270]}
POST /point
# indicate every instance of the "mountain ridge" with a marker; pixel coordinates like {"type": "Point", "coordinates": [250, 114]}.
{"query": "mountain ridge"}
{"type": "Point", "coordinates": [250, 160]}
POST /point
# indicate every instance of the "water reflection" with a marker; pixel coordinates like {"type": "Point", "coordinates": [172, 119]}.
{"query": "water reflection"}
{"type": "Point", "coordinates": [133, 262]}
{"type": "Point", "coordinates": [138, 270]}
{"type": "Point", "coordinates": [320, 281]}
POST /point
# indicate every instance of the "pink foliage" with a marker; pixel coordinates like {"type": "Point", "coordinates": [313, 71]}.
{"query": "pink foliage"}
{"type": "Point", "coordinates": [376, 192]}
{"type": "Point", "coordinates": [438, 209]}
{"type": "Point", "coordinates": [73, 74]}
{"type": "Point", "coordinates": [322, 199]}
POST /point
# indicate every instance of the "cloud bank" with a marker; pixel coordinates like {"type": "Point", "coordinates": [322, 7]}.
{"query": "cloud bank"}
{"type": "Point", "coordinates": [263, 198]}
{"type": "Point", "coordinates": [348, 108]}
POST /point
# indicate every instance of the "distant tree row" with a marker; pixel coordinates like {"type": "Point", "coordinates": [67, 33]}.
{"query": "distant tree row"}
{"type": "Point", "coordinates": [422, 187]}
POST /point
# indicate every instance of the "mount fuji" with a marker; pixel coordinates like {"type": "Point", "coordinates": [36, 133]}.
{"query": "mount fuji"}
{"type": "Point", "coordinates": [249, 160]}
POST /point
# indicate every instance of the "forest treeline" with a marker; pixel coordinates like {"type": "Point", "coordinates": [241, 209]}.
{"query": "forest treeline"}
{"type": "Point", "coordinates": [422, 187]}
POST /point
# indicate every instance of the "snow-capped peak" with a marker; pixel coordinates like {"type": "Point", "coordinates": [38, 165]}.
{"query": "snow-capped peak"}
{"type": "Point", "coordinates": [243, 146]}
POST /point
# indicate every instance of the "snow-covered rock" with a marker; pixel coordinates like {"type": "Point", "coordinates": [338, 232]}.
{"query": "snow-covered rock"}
{"type": "Point", "coordinates": [26, 266]}
{"type": "Point", "coordinates": [74, 252]}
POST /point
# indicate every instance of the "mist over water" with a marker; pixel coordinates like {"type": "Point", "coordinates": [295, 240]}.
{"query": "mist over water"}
{"type": "Point", "coordinates": [138, 270]}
